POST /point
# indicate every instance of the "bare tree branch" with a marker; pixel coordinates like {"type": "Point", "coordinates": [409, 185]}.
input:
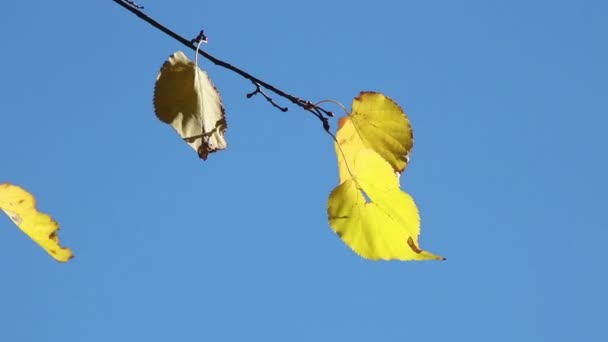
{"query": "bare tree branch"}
{"type": "Point", "coordinates": [309, 106]}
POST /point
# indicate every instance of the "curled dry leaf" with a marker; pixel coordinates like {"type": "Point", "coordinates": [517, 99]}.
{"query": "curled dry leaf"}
{"type": "Point", "coordinates": [185, 98]}
{"type": "Point", "coordinates": [20, 206]}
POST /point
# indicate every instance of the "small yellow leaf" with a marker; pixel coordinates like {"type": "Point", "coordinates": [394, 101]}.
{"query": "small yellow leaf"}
{"type": "Point", "coordinates": [383, 126]}
{"type": "Point", "coordinates": [185, 98]}
{"type": "Point", "coordinates": [372, 215]}
{"type": "Point", "coordinates": [20, 206]}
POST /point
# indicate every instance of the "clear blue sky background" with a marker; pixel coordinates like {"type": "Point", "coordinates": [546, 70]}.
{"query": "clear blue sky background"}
{"type": "Point", "coordinates": [508, 104]}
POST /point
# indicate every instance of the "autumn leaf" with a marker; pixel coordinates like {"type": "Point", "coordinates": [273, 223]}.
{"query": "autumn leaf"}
{"type": "Point", "coordinates": [20, 206]}
{"type": "Point", "coordinates": [383, 126]}
{"type": "Point", "coordinates": [368, 210]}
{"type": "Point", "coordinates": [372, 215]}
{"type": "Point", "coordinates": [185, 98]}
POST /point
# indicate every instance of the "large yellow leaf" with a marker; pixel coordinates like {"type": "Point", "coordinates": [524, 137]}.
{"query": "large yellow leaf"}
{"type": "Point", "coordinates": [372, 215]}
{"type": "Point", "coordinates": [380, 124]}
{"type": "Point", "coordinates": [368, 210]}
{"type": "Point", "coordinates": [20, 206]}
{"type": "Point", "coordinates": [185, 98]}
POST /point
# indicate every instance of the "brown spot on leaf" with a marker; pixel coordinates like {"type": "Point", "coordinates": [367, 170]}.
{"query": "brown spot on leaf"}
{"type": "Point", "coordinates": [410, 242]}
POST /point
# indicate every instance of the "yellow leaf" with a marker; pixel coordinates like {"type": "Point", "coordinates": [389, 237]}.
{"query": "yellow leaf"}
{"type": "Point", "coordinates": [368, 210]}
{"type": "Point", "coordinates": [349, 142]}
{"type": "Point", "coordinates": [20, 206]}
{"type": "Point", "coordinates": [372, 215]}
{"type": "Point", "coordinates": [383, 126]}
{"type": "Point", "coordinates": [185, 98]}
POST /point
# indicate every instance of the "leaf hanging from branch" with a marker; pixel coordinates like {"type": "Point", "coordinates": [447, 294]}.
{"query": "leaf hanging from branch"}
{"type": "Point", "coordinates": [185, 98]}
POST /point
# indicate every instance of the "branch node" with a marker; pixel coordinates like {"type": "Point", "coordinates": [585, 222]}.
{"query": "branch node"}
{"type": "Point", "coordinates": [202, 37]}
{"type": "Point", "coordinates": [326, 112]}
{"type": "Point", "coordinates": [326, 125]}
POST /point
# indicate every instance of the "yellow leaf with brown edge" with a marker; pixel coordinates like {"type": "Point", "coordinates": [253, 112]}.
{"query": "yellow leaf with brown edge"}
{"type": "Point", "coordinates": [372, 215]}
{"type": "Point", "coordinates": [379, 123]}
{"type": "Point", "coordinates": [20, 206]}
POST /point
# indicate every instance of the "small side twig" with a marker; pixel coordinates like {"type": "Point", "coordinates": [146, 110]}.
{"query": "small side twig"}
{"type": "Point", "coordinates": [309, 106]}
{"type": "Point", "coordinates": [259, 90]}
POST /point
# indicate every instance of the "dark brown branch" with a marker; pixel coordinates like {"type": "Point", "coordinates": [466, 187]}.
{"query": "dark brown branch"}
{"type": "Point", "coordinates": [304, 104]}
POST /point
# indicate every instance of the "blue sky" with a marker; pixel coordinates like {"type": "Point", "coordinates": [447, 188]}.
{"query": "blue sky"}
{"type": "Point", "coordinates": [508, 105]}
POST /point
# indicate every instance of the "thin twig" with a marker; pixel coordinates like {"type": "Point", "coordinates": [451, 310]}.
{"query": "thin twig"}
{"type": "Point", "coordinates": [259, 90]}
{"type": "Point", "coordinates": [317, 111]}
